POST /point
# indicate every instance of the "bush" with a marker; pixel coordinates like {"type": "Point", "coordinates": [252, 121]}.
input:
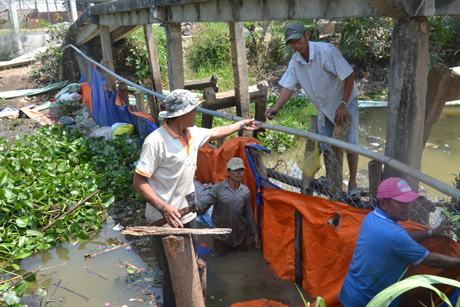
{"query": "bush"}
{"type": "Point", "coordinates": [366, 40]}
{"type": "Point", "coordinates": [132, 56]}
{"type": "Point", "coordinates": [50, 63]}
{"type": "Point", "coordinates": [209, 46]}
{"type": "Point", "coordinates": [445, 40]}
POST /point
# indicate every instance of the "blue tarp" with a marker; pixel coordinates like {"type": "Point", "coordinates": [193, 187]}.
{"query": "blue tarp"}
{"type": "Point", "coordinates": [105, 112]}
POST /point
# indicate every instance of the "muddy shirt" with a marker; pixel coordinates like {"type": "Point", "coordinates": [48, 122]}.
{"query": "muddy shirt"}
{"type": "Point", "coordinates": [231, 210]}
{"type": "Point", "coordinates": [381, 256]}
{"type": "Point", "coordinates": [169, 163]}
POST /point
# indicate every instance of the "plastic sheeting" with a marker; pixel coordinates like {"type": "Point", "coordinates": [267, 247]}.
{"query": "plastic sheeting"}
{"type": "Point", "coordinates": [31, 92]}
{"type": "Point", "coordinates": [107, 109]}
{"type": "Point", "coordinates": [259, 303]}
{"type": "Point", "coordinates": [327, 250]}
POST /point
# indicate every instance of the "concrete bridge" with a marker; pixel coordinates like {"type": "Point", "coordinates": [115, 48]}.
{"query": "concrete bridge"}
{"type": "Point", "coordinates": [410, 114]}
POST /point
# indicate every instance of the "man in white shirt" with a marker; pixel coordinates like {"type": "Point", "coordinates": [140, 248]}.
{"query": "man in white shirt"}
{"type": "Point", "coordinates": [329, 82]}
{"type": "Point", "coordinates": [166, 168]}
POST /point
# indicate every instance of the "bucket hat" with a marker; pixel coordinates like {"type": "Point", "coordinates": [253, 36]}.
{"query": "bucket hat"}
{"type": "Point", "coordinates": [397, 189]}
{"type": "Point", "coordinates": [294, 31]}
{"type": "Point", "coordinates": [235, 163]}
{"type": "Point", "coordinates": [179, 102]}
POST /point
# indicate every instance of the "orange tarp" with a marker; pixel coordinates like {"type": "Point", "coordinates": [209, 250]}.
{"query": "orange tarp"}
{"type": "Point", "coordinates": [328, 250]}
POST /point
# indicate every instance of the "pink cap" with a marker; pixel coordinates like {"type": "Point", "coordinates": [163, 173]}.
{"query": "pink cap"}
{"type": "Point", "coordinates": [397, 189]}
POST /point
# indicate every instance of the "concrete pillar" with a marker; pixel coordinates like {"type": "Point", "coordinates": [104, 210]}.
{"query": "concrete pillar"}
{"type": "Point", "coordinates": [407, 94]}
{"type": "Point", "coordinates": [240, 70]}
{"type": "Point", "coordinates": [175, 57]}
{"type": "Point", "coordinates": [73, 10]}
{"type": "Point", "coordinates": [14, 16]}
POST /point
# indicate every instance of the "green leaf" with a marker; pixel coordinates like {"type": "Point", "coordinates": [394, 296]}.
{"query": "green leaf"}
{"type": "Point", "coordinates": [62, 167]}
{"type": "Point", "coordinates": [30, 277]}
{"type": "Point", "coordinates": [10, 298]}
{"type": "Point", "coordinates": [386, 296]}
{"type": "Point", "coordinates": [7, 193]}
{"type": "Point", "coordinates": [83, 236]}
{"type": "Point", "coordinates": [20, 288]}
{"type": "Point", "coordinates": [22, 221]}
{"type": "Point", "coordinates": [34, 233]}
{"type": "Point", "coordinates": [107, 200]}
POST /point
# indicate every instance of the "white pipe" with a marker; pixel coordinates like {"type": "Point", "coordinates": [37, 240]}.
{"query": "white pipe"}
{"type": "Point", "coordinates": [416, 174]}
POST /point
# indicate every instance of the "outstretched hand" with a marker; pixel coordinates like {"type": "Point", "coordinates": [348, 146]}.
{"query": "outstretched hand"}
{"type": "Point", "coordinates": [250, 124]}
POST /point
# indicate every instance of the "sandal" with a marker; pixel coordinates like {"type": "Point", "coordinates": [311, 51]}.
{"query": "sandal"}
{"type": "Point", "coordinates": [353, 194]}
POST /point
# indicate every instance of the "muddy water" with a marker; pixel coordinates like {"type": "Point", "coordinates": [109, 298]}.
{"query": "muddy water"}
{"type": "Point", "coordinates": [104, 279]}
{"type": "Point", "coordinates": [441, 157]}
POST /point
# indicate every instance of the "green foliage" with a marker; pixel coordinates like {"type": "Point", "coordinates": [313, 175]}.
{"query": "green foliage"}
{"type": "Point", "coordinates": [209, 46]}
{"type": "Point", "coordinates": [294, 114]}
{"type": "Point", "coordinates": [319, 300]}
{"type": "Point", "coordinates": [68, 106]}
{"type": "Point", "coordinates": [46, 175]}
{"type": "Point", "coordinates": [385, 297]}
{"type": "Point", "coordinates": [265, 44]}
{"type": "Point", "coordinates": [366, 40]}
{"type": "Point", "coordinates": [50, 64]}
{"type": "Point", "coordinates": [2, 103]}
{"type": "Point", "coordinates": [134, 57]}
{"type": "Point", "coordinates": [444, 40]}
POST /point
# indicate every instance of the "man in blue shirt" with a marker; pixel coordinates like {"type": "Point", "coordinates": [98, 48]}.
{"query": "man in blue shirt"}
{"type": "Point", "coordinates": [384, 248]}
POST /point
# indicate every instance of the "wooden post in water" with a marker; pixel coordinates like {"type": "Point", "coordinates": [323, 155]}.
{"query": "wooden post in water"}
{"type": "Point", "coordinates": [184, 271]}
{"type": "Point", "coordinates": [375, 178]}
{"type": "Point", "coordinates": [298, 242]}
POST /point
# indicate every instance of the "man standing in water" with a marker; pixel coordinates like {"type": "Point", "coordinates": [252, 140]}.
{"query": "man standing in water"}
{"type": "Point", "coordinates": [329, 82]}
{"type": "Point", "coordinates": [166, 168]}
{"type": "Point", "coordinates": [232, 209]}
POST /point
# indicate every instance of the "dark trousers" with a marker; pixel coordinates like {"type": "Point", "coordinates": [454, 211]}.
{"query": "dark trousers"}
{"type": "Point", "coordinates": [160, 254]}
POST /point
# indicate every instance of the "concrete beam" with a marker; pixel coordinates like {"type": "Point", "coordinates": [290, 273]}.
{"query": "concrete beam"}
{"type": "Point", "coordinates": [85, 34]}
{"type": "Point", "coordinates": [121, 32]}
{"type": "Point", "coordinates": [135, 17]}
{"type": "Point", "coordinates": [255, 10]}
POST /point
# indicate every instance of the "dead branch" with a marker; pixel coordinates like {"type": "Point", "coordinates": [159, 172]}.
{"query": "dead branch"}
{"type": "Point", "coordinates": [104, 251]}
{"type": "Point", "coordinates": [69, 211]}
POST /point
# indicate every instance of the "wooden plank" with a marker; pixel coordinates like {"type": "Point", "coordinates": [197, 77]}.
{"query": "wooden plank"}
{"type": "Point", "coordinates": [152, 231]}
{"type": "Point", "coordinates": [154, 102]}
{"type": "Point", "coordinates": [184, 271]}
{"type": "Point", "coordinates": [201, 84]}
{"type": "Point", "coordinates": [240, 71]}
{"type": "Point", "coordinates": [107, 54]}
{"type": "Point", "coordinates": [227, 99]}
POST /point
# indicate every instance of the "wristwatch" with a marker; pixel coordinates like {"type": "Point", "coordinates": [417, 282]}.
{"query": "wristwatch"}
{"type": "Point", "coordinates": [343, 103]}
{"type": "Point", "coordinates": [242, 125]}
